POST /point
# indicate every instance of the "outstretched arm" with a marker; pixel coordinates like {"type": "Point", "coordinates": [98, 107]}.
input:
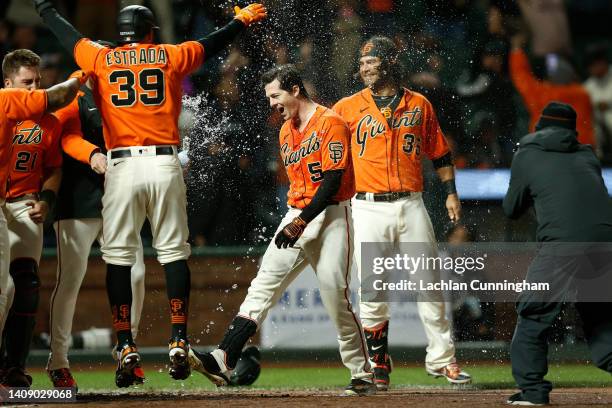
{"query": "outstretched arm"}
{"type": "Point", "coordinates": [218, 40]}
{"type": "Point", "coordinates": [63, 93]}
{"type": "Point", "coordinates": [63, 30]}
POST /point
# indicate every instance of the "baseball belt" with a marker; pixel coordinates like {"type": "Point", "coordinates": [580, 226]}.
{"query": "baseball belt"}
{"type": "Point", "coordinates": [388, 197]}
{"type": "Point", "coordinates": [31, 196]}
{"type": "Point", "coordinates": [159, 151]}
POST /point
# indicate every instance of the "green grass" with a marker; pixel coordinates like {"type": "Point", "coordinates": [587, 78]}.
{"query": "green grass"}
{"type": "Point", "coordinates": [485, 377]}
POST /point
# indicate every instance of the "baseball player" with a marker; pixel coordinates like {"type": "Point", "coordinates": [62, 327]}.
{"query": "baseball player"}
{"type": "Point", "coordinates": [34, 177]}
{"type": "Point", "coordinates": [20, 101]}
{"type": "Point", "coordinates": [138, 92]}
{"type": "Point", "coordinates": [316, 230]}
{"type": "Point", "coordinates": [78, 223]}
{"type": "Point", "coordinates": [392, 128]}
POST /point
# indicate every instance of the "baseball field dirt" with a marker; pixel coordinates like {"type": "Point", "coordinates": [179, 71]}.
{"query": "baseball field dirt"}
{"type": "Point", "coordinates": [569, 397]}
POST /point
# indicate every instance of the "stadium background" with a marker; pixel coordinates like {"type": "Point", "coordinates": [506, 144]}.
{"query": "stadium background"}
{"type": "Point", "coordinates": [236, 187]}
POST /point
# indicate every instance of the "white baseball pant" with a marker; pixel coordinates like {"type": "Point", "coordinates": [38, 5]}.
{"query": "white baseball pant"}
{"type": "Point", "coordinates": [144, 185]}
{"type": "Point", "coordinates": [404, 220]}
{"type": "Point", "coordinates": [5, 277]}
{"type": "Point", "coordinates": [74, 240]}
{"type": "Point", "coordinates": [327, 246]}
{"type": "Point", "coordinates": [25, 239]}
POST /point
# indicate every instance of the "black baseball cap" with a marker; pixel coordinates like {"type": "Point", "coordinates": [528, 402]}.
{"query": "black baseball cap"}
{"type": "Point", "coordinates": [557, 114]}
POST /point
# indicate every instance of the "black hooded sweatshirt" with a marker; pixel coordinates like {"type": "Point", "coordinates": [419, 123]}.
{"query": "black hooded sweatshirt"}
{"type": "Point", "coordinates": [562, 179]}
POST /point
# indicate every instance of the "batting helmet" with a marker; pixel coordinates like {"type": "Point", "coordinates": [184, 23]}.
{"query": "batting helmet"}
{"type": "Point", "coordinates": [134, 23]}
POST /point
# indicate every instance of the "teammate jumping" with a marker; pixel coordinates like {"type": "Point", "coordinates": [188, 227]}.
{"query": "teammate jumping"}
{"type": "Point", "coordinates": [316, 230]}
{"type": "Point", "coordinates": [138, 92]}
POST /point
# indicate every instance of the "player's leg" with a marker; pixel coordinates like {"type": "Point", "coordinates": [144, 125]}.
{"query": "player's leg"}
{"type": "Point", "coordinates": [6, 282]}
{"type": "Point", "coordinates": [123, 212]}
{"type": "Point", "coordinates": [278, 269]}
{"type": "Point", "coordinates": [415, 226]}
{"type": "Point", "coordinates": [74, 238]}
{"type": "Point", "coordinates": [597, 322]}
{"type": "Point", "coordinates": [375, 222]}
{"type": "Point", "coordinates": [330, 254]}
{"type": "Point", "coordinates": [25, 239]}
{"type": "Point", "coordinates": [167, 213]}
{"type": "Point", "coordinates": [138, 290]}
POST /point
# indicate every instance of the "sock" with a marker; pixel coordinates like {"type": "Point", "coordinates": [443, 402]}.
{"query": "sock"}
{"type": "Point", "coordinates": [378, 344]}
{"type": "Point", "coordinates": [236, 336]}
{"type": "Point", "coordinates": [119, 289]}
{"type": "Point", "coordinates": [178, 286]}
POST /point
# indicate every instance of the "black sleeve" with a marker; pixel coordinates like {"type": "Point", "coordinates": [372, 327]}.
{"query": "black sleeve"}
{"type": "Point", "coordinates": [328, 188]}
{"type": "Point", "coordinates": [444, 161]}
{"type": "Point", "coordinates": [67, 35]}
{"type": "Point", "coordinates": [518, 198]}
{"type": "Point", "coordinates": [218, 40]}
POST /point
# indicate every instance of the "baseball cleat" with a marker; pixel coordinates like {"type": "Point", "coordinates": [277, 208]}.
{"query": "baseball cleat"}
{"type": "Point", "coordinates": [16, 377]}
{"type": "Point", "coordinates": [248, 368]}
{"type": "Point", "coordinates": [360, 388]}
{"type": "Point", "coordinates": [179, 359]}
{"type": "Point", "coordinates": [62, 378]}
{"type": "Point", "coordinates": [129, 371]}
{"type": "Point", "coordinates": [452, 372]}
{"type": "Point", "coordinates": [519, 399]}
{"type": "Point", "coordinates": [206, 364]}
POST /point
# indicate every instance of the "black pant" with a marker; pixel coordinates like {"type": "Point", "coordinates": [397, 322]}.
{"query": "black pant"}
{"type": "Point", "coordinates": [536, 316]}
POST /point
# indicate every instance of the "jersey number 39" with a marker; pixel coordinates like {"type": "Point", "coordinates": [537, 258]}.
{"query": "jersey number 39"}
{"type": "Point", "coordinates": [151, 84]}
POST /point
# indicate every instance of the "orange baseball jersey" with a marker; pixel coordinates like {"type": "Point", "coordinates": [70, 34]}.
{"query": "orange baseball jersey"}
{"type": "Point", "coordinates": [16, 105]}
{"type": "Point", "coordinates": [36, 148]}
{"type": "Point", "coordinates": [323, 145]}
{"type": "Point", "coordinates": [138, 89]}
{"type": "Point", "coordinates": [388, 158]}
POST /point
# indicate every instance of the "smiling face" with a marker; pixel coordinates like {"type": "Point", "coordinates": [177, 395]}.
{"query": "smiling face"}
{"type": "Point", "coordinates": [285, 102]}
{"type": "Point", "coordinates": [369, 70]}
{"type": "Point", "coordinates": [26, 78]}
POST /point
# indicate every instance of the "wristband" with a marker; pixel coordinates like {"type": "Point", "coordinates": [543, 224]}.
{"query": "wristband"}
{"type": "Point", "coordinates": [48, 196]}
{"type": "Point", "coordinates": [450, 187]}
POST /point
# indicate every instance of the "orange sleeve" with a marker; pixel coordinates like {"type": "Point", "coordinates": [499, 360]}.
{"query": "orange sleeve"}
{"type": "Point", "coordinates": [19, 104]}
{"type": "Point", "coordinates": [335, 145]}
{"type": "Point", "coordinates": [186, 56]}
{"type": "Point", "coordinates": [86, 52]}
{"type": "Point", "coordinates": [435, 144]}
{"type": "Point", "coordinates": [523, 79]}
{"type": "Point", "coordinates": [72, 141]}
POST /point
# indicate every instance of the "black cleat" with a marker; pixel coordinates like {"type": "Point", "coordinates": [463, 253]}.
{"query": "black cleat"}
{"type": "Point", "coordinates": [206, 364]}
{"type": "Point", "coordinates": [129, 372]}
{"type": "Point", "coordinates": [179, 359]}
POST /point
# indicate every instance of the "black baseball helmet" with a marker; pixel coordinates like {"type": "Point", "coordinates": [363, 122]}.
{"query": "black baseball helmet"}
{"type": "Point", "coordinates": [134, 23]}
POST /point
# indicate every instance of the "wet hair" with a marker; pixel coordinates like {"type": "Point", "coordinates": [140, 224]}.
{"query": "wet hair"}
{"type": "Point", "coordinates": [288, 76]}
{"type": "Point", "coordinates": [385, 49]}
{"type": "Point", "coordinates": [13, 61]}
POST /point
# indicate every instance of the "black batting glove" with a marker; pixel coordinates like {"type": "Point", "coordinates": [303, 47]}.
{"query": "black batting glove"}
{"type": "Point", "coordinates": [288, 236]}
{"type": "Point", "coordinates": [42, 5]}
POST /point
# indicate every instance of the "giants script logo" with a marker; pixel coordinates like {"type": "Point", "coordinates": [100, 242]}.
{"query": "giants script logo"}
{"type": "Point", "coordinates": [308, 146]}
{"type": "Point", "coordinates": [369, 128]}
{"type": "Point", "coordinates": [31, 135]}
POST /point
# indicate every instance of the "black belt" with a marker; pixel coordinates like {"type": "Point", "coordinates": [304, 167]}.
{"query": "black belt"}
{"type": "Point", "coordinates": [159, 150]}
{"type": "Point", "coordinates": [390, 196]}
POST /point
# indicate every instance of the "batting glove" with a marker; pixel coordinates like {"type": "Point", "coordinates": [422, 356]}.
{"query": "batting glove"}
{"type": "Point", "coordinates": [42, 5]}
{"type": "Point", "coordinates": [289, 235]}
{"type": "Point", "coordinates": [250, 14]}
